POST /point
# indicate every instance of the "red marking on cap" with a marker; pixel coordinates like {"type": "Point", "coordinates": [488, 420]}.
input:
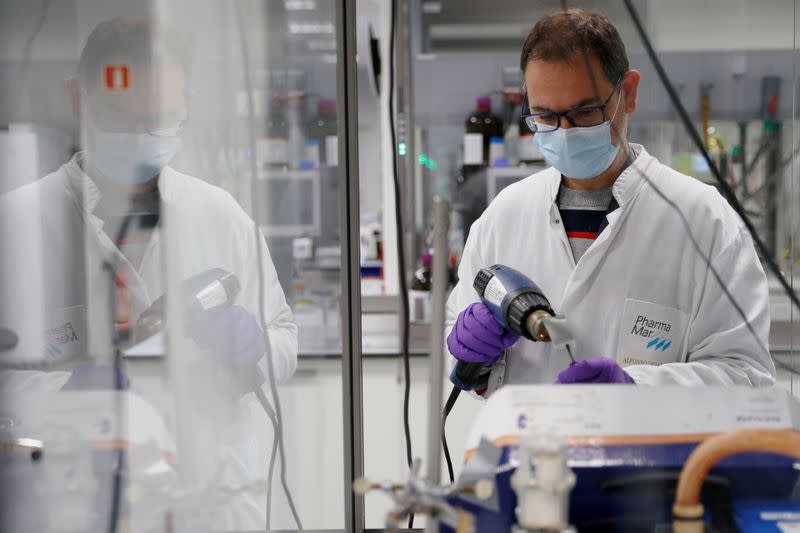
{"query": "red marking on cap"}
{"type": "Point", "coordinates": [117, 77]}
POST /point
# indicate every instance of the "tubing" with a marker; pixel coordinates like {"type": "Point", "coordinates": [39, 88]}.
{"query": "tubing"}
{"type": "Point", "coordinates": [687, 499]}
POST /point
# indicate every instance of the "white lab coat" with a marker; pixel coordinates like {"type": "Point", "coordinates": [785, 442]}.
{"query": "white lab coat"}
{"type": "Point", "coordinates": [52, 250]}
{"type": "Point", "coordinates": [641, 293]}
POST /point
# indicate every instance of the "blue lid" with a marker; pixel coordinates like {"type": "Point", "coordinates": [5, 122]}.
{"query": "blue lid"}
{"type": "Point", "coordinates": [496, 140]}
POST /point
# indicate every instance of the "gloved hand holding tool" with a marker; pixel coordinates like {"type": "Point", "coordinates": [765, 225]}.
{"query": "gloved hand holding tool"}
{"type": "Point", "coordinates": [595, 370]}
{"type": "Point", "coordinates": [223, 329]}
{"type": "Point", "coordinates": [478, 337]}
{"type": "Point", "coordinates": [233, 334]}
{"type": "Point", "coordinates": [511, 306]}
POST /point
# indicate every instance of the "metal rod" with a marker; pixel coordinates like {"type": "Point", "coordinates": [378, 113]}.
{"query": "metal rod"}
{"type": "Point", "coordinates": [352, 377]}
{"type": "Point", "coordinates": [441, 226]}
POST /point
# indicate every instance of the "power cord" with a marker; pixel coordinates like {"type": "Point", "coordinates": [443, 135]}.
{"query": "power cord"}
{"type": "Point", "coordinates": [275, 416]}
{"type": "Point", "coordinates": [448, 406]}
{"type": "Point", "coordinates": [119, 463]}
{"type": "Point", "coordinates": [401, 258]}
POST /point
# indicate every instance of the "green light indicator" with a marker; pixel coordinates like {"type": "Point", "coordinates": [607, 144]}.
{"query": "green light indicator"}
{"type": "Point", "coordinates": [427, 162]}
{"type": "Point", "coordinates": [402, 149]}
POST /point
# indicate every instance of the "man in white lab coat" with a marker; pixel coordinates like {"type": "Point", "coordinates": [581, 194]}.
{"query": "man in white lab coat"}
{"type": "Point", "coordinates": [609, 252]}
{"type": "Point", "coordinates": [118, 207]}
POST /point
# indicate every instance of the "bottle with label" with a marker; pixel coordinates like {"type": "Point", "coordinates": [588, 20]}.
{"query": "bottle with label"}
{"type": "Point", "coordinates": [479, 128]}
{"type": "Point", "coordinates": [295, 127]}
{"type": "Point", "coordinates": [511, 142]}
{"type": "Point", "coordinates": [527, 151]}
{"type": "Point", "coordinates": [497, 157]}
{"type": "Point", "coordinates": [323, 128]}
{"type": "Point", "coordinates": [272, 151]}
{"type": "Point", "coordinates": [419, 294]}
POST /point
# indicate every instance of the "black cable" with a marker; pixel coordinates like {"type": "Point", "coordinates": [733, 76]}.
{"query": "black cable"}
{"type": "Point", "coordinates": [698, 142]}
{"type": "Point", "coordinates": [448, 406]}
{"type": "Point", "coordinates": [116, 479]}
{"type": "Point", "coordinates": [271, 471]}
{"type": "Point", "coordinates": [401, 266]}
{"type": "Point", "coordinates": [278, 417]}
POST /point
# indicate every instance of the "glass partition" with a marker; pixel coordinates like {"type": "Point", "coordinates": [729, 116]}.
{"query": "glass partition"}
{"type": "Point", "coordinates": [170, 266]}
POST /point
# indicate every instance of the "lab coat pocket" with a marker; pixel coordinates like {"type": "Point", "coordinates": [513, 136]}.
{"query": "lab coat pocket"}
{"type": "Point", "coordinates": [651, 334]}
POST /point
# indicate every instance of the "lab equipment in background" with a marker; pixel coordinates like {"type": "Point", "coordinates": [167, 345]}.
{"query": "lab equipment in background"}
{"type": "Point", "coordinates": [295, 103]}
{"type": "Point", "coordinates": [527, 150]}
{"type": "Point", "coordinates": [497, 157]}
{"type": "Point", "coordinates": [322, 128]}
{"type": "Point", "coordinates": [419, 292]}
{"type": "Point", "coordinates": [371, 240]}
{"type": "Point", "coordinates": [628, 468]}
{"type": "Point", "coordinates": [315, 292]}
{"type": "Point", "coordinates": [29, 151]}
{"type": "Point", "coordinates": [513, 96]}
{"type": "Point", "coordinates": [272, 150]}
{"type": "Point", "coordinates": [479, 128]}
{"type": "Point", "coordinates": [473, 196]}
{"type": "Point", "coordinates": [312, 157]}
{"type": "Point", "coordinates": [296, 204]}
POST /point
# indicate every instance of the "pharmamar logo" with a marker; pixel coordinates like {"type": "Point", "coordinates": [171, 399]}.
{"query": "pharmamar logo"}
{"type": "Point", "coordinates": [659, 344]}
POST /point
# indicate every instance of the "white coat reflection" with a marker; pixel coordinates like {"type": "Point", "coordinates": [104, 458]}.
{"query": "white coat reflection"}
{"type": "Point", "coordinates": [83, 257]}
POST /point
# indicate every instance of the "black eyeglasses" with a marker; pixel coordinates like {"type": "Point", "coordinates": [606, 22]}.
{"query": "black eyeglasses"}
{"type": "Point", "coordinates": [157, 125]}
{"type": "Point", "coordinates": [580, 117]}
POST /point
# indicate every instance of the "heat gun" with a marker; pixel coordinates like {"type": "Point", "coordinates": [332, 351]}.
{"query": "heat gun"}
{"type": "Point", "coordinates": [520, 306]}
{"type": "Point", "coordinates": [202, 295]}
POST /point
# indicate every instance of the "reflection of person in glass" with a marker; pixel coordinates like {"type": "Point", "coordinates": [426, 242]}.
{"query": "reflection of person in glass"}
{"type": "Point", "coordinates": [113, 204]}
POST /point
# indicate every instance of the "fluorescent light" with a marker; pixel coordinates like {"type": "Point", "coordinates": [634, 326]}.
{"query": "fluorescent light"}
{"type": "Point", "coordinates": [300, 5]}
{"type": "Point", "coordinates": [310, 28]}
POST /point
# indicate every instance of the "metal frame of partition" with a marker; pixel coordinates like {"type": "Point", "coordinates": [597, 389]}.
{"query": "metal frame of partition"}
{"type": "Point", "coordinates": [352, 382]}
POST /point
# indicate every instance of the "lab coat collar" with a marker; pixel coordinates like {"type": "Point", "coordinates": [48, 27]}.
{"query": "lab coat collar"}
{"type": "Point", "coordinates": [630, 181]}
{"type": "Point", "coordinates": [87, 194]}
{"type": "Point", "coordinates": [625, 187]}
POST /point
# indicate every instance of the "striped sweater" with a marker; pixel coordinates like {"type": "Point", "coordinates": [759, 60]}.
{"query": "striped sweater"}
{"type": "Point", "coordinates": [583, 213]}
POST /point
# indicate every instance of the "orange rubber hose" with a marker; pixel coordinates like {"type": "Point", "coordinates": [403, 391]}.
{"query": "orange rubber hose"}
{"type": "Point", "coordinates": [711, 451]}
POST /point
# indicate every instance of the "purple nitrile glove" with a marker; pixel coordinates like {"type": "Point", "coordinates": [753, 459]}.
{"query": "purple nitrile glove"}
{"type": "Point", "coordinates": [595, 370]}
{"type": "Point", "coordinates": [96, 376]}
{"type": "Point", "coordinates": [233, 334]}
{"type": "Point", "coordinates": [477, 337]}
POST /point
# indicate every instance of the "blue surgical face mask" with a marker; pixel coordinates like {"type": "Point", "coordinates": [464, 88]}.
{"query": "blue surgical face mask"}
{"type": "Point", "coordinates": [579, 153]}
{"type": "Point", "coordinates": [132, 158]}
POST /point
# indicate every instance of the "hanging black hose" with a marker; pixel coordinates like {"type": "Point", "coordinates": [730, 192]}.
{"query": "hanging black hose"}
{"type": "Point", "coordinates": [766, 254]}
{"type": "Point", "coordinates": [448, 406]}
{"type": "Point", "coordinates": [401, 265]}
